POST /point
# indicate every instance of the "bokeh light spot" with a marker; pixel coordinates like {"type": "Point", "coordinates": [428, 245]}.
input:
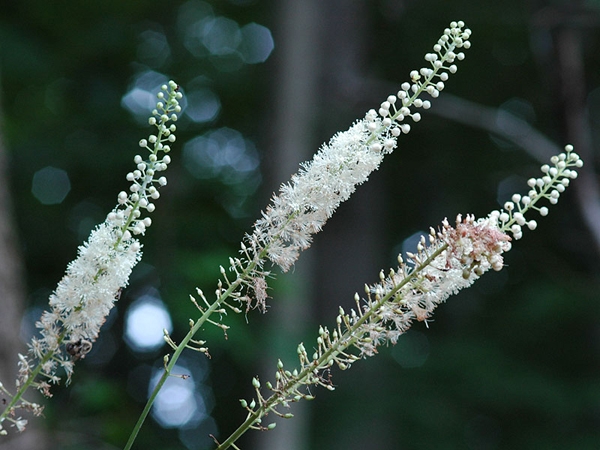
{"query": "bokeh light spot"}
{"type": "Point", "coordinates": [145, 321]}
{"type": "Point", "coordinates": [175, 404]}
{"type": "Point", "coordinates": [257, 43]}
{"type": "Point", "coordinates": [138, 101]}
{"type": "Point", "coordinates": [410, 244]}
{"type": "Point", "coordinates": [153, 49]}
{"type": "Point", "coordinates": [141, 96]}
{"type": "Point", "coordinates": [222, 153]}
{"type": "Point", "coordinates": [220, 35]}
{"type": "Point", "coordinates": [184, 400]}
{"type": "Point", "coordinates": [50, 185]}
{"type": "Point", "coordinates": [412, 349]}
{"type": "Point", "coordinates": [203, 105]}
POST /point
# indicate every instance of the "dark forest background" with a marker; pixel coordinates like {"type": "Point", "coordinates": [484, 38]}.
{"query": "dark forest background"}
{"type": "Point", "coordinates": [513, 362]}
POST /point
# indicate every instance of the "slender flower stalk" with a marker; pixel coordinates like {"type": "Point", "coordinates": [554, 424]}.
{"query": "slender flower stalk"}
{"type": "Point", "coordinates": [94, 280]}
{"type": "Point", "coordinates": [447, 261]}
{"type": "Point", "coordinates": [303, 205]}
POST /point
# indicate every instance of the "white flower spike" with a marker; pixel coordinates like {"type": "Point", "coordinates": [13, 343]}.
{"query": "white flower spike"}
{"type": "Point", "coordinates": [93, 281]}
{"type": "Point", "coordinates": [314, 193]}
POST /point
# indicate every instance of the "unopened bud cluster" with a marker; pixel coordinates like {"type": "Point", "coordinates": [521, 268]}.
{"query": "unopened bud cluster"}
{"type": "Point", "coordinates": [549, 186]}
{"type": "Point", "coordinates": [146, 178]}
{"type": "Point", "coordinates": [387, 123]}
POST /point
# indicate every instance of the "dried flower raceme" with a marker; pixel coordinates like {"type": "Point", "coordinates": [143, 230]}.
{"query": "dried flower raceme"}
{"type": "Point", "coordinates": [446, 261]}
{"type": "Point", "coordinates": [94, 280]}
{"type": "Point", "coordinates": [305, 203]}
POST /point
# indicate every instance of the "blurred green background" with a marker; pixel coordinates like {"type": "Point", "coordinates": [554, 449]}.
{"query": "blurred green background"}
{"type": "Point", "coordinates": [513, 362]}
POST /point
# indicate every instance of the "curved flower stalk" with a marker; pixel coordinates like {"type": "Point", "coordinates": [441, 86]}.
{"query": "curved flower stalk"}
{"type": "Point", "coordinates": [311, 197]}
{"type": "Point", "coordinates": [446, 261]}
{"type": "Point", "coordinates": [305, 203]}
{"type": "Point", "coordinates": [93, 281]}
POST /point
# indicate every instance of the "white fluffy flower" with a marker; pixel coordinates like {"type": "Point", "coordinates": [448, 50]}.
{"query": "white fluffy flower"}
{"type": "Point", "coordinates": [313, 194]}
{"type": "Point", "coordinates": [93, 281]}
{"type": "Point", "coordinates": [304, 204]}
{"type": "Point", "coordinates": [86, 294]}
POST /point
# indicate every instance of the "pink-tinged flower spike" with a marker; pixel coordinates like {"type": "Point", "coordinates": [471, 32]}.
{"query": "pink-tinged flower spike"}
{"type": "Point", "coordinates": [93, 281]}
{"type": "Point", "coordinates": [445, 262]}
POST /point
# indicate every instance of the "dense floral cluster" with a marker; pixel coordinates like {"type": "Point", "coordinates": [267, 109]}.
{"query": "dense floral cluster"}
{"type": "Point", "coordinates": [314, 193]}
{"type": "Point", "coordinates": [445, 262]}
{"type": "Point", "coordinates": [303, 205]}
{"type": "Point", "coordinates": [93, 281]}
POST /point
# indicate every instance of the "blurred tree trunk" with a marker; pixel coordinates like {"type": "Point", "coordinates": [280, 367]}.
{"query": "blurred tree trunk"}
{"type": "Point", "coordinates": [350, 250]}
{"type": "Point", "coordinates": [320, 61]}
{"type": "Point", "coordinates": [294, 99]}
{"type": "Point", "coordinates": [564, 64]}
{"type": "Point", "coordinates": [12, 301]}
{"type": "Point", "coordinates": [573, 101]}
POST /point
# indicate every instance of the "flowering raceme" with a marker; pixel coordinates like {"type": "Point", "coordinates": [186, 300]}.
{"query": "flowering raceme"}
{"type": "Point", "coordinates": [305, 203]}
{"type": "Point", "coordinates": [93, 281]}
{"type": "Point", "coordinates": [450, 260]}
{"type": "Point", "coordinates": [314, 193]}
{"type": "Point", "coordinates": [446, 261]}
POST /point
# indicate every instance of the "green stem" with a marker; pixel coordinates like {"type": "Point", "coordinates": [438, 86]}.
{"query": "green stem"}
{"type": "Point", "coordinates": [185, 341]}
{"type": "Point", "coordinates": [17, 397]}
{"type": "Point", "coordinates": [344, 342]}
{"type": "Point", "coordinates": [167, 372]}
